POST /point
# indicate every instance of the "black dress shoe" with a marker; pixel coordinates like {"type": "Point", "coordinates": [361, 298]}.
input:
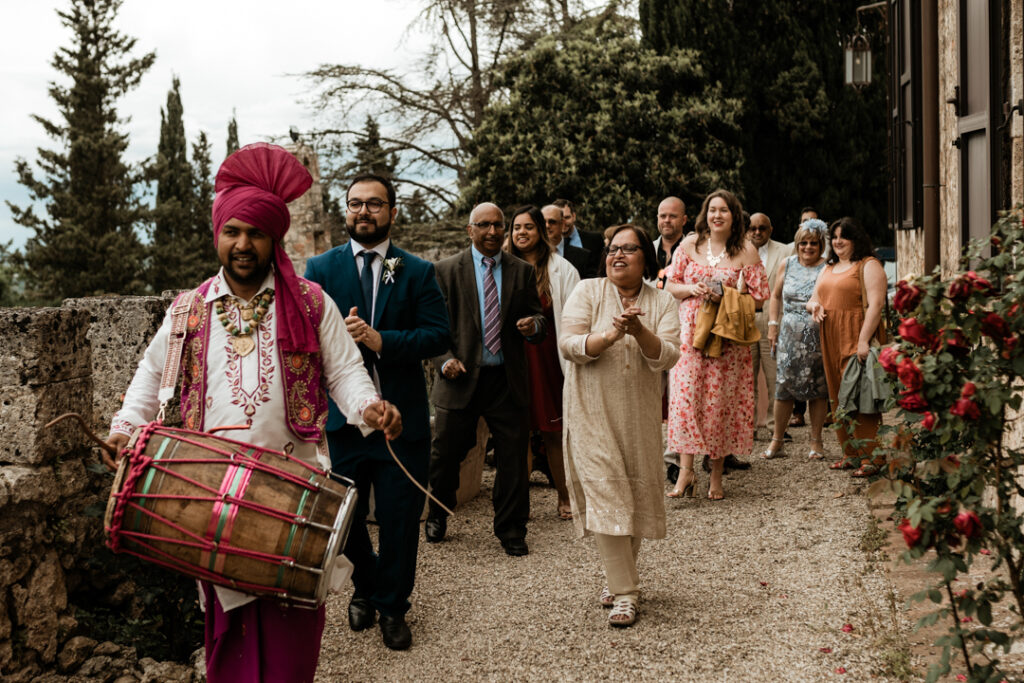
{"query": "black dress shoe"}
{"type": "Point", "coordinates": [672, 473]}
{"type": "Point", "coordinates": [435, 529]}
{"type": "Point", "coordinates": [395, 632]}
{"type": "Point", "coordinates": [516, 547]}
{"type": "Point", "coordinates": [734, 463]}
{"type": "Point", "coordinates": [361, 614]}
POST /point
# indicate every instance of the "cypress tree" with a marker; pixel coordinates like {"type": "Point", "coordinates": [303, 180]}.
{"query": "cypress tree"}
{"type": "Point", "coordinates": [198, 242]}
{"type": "Point", "coordinates": [86, 243]}
{"type": "Point", "coordinates": [232, 135]}
{"type": "Point", "coordinates": [171, 215]}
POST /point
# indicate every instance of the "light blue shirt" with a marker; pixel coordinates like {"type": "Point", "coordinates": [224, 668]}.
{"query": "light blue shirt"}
{"type": "Point", "coordinates": [480, 269]}
{"type": "Point", "coordinates": [574, 239]}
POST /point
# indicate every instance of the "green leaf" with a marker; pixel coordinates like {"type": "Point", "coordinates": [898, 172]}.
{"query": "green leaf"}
{"type": "Point", "coordinates": [985, 612]}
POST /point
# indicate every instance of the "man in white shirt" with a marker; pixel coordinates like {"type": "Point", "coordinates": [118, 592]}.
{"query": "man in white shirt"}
{"type": "Point", "coordinates": [772, 255]}
{"type": "Point", "coordinates": [260, 345]}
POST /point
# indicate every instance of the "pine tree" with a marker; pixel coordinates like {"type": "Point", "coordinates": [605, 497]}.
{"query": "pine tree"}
{"type": "Point", "coordinates": [371, 157]}
{"type": "Point", "coordinates": [86, 243]}
{"type": "Point", "coordinates": [171, 215]}
{"type": "Point", "coordinates": [232, 146]}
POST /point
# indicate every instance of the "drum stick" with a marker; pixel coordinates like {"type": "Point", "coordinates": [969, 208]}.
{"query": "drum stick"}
{"type": "Point", "coordinates": [85, 428]}
{"type": "Point", "coordinates": [413, 479]}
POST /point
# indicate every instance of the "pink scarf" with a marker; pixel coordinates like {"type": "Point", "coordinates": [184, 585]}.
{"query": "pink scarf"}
{"type": "Point", "coordinates": [255, 185]}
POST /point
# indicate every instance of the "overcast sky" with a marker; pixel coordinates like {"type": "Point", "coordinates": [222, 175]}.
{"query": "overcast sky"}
{"type": "Point", "coordinates": [229, 54]}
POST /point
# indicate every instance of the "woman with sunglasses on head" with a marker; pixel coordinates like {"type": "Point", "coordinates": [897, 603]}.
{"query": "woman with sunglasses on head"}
{"type": "Point", "coordinates": [619, 334]}
{"type": "Point", "coordinates": [847, 303]}
{"type": "Point", "coordinates": [556, 279]}
{"type": "Point", "coordinates": [711, 409]}
{"type": "Point", "coordinates": [795, 341]}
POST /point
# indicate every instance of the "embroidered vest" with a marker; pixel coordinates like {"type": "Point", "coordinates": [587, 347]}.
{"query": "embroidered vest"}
{"type": "Point", "coordinates": [305, 391]}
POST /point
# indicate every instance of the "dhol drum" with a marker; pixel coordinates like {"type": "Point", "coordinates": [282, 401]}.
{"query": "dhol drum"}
{"type": "Point", "coordinates": [224, 511]}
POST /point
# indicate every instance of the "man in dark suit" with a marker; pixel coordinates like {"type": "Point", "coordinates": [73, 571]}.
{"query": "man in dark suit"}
{"type": "Point", "coordinates": [575, 237]}
{"type": "Point", "coordinates": [397, 316]}
{"type": "Point", "coordinates": [493, 305]}
{"type": "Point", "coordinates": [579, 258]}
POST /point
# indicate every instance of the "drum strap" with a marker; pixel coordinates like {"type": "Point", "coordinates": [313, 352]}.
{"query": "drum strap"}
{"type": "Point", "coordinates": [175, 344]}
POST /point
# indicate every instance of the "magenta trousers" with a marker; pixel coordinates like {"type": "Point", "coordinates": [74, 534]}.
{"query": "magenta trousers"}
{"type": "Point", "coordinates": [264, 641]}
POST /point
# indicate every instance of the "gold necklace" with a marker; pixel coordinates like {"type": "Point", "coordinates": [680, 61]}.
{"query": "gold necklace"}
{"type": "Point", "coordinates": [242, 339]}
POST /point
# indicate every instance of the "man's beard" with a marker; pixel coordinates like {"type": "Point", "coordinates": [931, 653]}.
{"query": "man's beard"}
{"type": "Point", "coordinates": [368, 235]}
{"type": "Point", "coordinates": [258, 275]}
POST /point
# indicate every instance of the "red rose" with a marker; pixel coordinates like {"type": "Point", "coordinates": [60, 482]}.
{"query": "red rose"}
{"type": "Point", "coordinates": [959, 289]}
{"type": "Point", "coordinates": [965, 408]}
{"type": "Point", "coordinates": [928, 422]}
{"type": "Point", "coordinates": [968, 523]}
{"type": "Point", "coordinates": [1009, 345]}
{"type": "Point", "coordinates": [912, 401]}
{"type": "Point", "coordinates": [914, 332]}
{"type": "Point", "coordinates": [907, 297]}
{"type": "Point", "coordinates": [911, 534]}
{"type": "Point", "coordinates": [910, 375]}
{"type": "Point", "coordinates": [994, 326]}
{"type": "Point", "coordinates": [979, 283]}
{"type": "Point", "coordinates": [944, 508]}
{"type": "Point", "coordinates": [955, 341]}
{"type": "Point", "coordinates": [968, 390]}
{"type": "Point", "coordinates": [888, 358]}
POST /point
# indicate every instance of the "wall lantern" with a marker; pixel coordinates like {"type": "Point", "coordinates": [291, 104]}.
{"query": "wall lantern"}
{"type": "Point", "coordinates": [857, 54]}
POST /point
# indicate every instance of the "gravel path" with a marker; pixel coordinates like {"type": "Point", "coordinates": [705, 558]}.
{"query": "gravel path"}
{"type": "Point", "coordinates": [749, 588]}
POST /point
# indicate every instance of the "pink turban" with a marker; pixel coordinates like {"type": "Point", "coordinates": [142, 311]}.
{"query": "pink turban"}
{"type": "Point", "coordinates": [255, 185]}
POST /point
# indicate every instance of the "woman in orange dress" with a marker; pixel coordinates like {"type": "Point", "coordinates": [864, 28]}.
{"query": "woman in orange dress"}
{"type": "Point", "coordinates": [711, 401]}
{"type": "Point", "coordinates": [848, 324]}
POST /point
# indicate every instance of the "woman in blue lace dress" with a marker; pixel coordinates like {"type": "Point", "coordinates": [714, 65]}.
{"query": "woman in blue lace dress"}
{"type": "Point", "coordinates": [796, 343]}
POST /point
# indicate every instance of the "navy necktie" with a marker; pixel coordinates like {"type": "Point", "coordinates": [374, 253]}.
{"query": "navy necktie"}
{"type": "Point", "coordinates": [366, 280]}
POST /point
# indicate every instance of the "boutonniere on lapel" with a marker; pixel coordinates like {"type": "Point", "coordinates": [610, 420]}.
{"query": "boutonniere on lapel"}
{"type": "Point", "coordinates": [390, 270]}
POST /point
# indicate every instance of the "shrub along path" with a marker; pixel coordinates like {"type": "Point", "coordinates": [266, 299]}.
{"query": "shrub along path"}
{"type": "Point", "coordinates": [759, 586]}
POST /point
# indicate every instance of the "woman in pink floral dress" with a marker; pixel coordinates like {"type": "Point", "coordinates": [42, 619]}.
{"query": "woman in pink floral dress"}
{"type": "Point", "coordinates": [711, 410]}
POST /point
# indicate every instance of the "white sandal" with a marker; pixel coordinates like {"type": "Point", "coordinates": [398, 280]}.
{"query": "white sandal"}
{"type": "Point", "coordinates": [606, 598]}
{"type": "Point", "coordinates": [780, 452]}
{"type": "Point", "coordinates": [623, 611]}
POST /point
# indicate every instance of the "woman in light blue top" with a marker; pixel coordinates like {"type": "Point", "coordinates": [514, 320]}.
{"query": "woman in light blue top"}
{"type": "Point", "coordinates": [796, 343]}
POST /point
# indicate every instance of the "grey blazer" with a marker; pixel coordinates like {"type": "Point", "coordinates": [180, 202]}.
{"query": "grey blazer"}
{"type": "Point", "coordinates": [519, 299]}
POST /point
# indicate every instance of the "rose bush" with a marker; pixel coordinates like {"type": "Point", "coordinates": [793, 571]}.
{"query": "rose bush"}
{"type": "Point", "coordinates": [959, 370]}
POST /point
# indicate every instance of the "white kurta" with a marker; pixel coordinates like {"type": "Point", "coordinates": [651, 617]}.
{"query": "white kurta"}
{"type": "Point", "coordinates": [249, 389]}
{"type": "Point", "coordinates": [612, 413]}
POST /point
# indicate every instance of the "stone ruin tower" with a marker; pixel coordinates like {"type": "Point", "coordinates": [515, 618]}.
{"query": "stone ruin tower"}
{"type": "Point", "coordinates": [309, 234]}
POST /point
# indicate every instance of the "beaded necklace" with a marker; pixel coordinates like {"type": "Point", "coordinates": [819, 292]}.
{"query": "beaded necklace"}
{"type": "Point", "coordinates": [713, 261]}
{"type": "Point", "coordinates": [252, 313]}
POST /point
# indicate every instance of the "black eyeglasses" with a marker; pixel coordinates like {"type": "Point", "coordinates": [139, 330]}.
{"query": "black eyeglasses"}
{"type": "Point", "coordinates": [372, 205]}
{"type": "Point", "coordinates": [487, 225]}
{"type": "Point", "coordinates": [758, 228]}
{"type": "Point", "coordinates": [624, 248]}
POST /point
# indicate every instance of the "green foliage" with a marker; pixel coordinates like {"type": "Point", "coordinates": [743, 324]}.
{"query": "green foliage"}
{"type": "Point", "coordinates": [594, 116]}
{"type": "Point", "coordinates": [806, 138]}
{"type": "Point", "coordinates": [960, 364]}
{"type": "Point", "coordinates": [86, 243]}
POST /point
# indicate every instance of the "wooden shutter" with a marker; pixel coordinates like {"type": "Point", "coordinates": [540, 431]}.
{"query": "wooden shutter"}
{"type": "Point", "coordinates": [905, 161]}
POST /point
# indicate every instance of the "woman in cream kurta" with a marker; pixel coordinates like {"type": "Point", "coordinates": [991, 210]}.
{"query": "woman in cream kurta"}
{"type": "Point", "coordinates": [612, 404]}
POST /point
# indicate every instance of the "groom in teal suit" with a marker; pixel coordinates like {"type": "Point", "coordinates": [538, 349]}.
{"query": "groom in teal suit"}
{"type": "Point", "coordinates": [395, 312]}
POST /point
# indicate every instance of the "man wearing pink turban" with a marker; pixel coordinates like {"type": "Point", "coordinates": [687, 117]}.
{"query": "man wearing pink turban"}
{"type": "Point", "coordinates": [262, 348]}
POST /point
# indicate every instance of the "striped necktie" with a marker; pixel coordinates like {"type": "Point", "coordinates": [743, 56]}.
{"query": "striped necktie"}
{"type": "Point", "coordinates": [492, 311]}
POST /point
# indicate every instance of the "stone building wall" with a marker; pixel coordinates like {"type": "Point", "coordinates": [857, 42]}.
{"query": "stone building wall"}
{"type": "Point", "coordinates": [51, 495]}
